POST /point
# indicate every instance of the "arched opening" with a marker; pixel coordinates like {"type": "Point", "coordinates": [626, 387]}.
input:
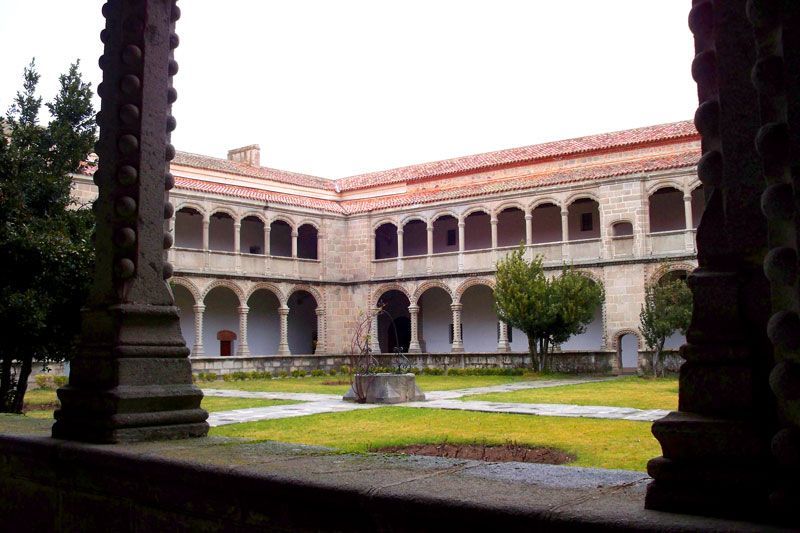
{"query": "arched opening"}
{"type": "Point", "coordinates": [185, 303]}
{"type": "Point", "coordinates": [189, 228]}
{"type": "Point", "coordinates": [477, 231]}
{"type": "Point", "coordinates": [666, 210]}
{"type": "Point", "coordinates": [394, 323]}
{"type": "Point", "coordinates": [511, 227]}
{"type": "Point", "coordinates": [302, 334]}
{"type": "Point", "coordinates": [435, 320]}
{"type": "Point", "coordinates": [698, 205]}
{"type": "Point", "coordinates": [583, 220]}
{"type": "Point", "coordinates": [226, 338]}
{"type": "Point", "coordinates": [220, 315]}
{"type": "Point", "coordinates": [221, 233]}
{"type": "Point", "coordinates": [415, 238]}
{"type": "Point", "coordinates": [676, 340]}
{"type": "Point", "coordinates": [592, 337]}
{"type": "Point", "coordinates": [622, 229]}
{"type": "Point", "coordinates": [478, 319]}
{"type": "Point", "coordinates": [307, 236]}
{"type": "Point", "coordinates": [546, 224]}
{"type": "Point", "coordinates": [445, 234]}
{"type": "Point", "coordinates": [386, 241]}
{"type": "Point", "coordinates": [251, 236]}
{"type": "Point", "coordinates": [628, 352]}
{"type": "Point", "coordinates": [280, 239]}
{"type": "Point", "coordinates": [263, 323]}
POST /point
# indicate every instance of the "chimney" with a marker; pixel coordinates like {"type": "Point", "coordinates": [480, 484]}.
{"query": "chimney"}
{"type": "Point", "coordinates": [249, 155]}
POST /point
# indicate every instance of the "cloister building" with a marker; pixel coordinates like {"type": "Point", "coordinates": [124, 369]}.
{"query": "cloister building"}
{"type": "Point", "coordinates": [274, 263]}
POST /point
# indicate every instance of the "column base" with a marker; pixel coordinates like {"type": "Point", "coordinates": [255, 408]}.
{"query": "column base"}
{"type": "Point", "coordinates": [457, 348]}
{"type": "Point", "coordinates": [414, 348]}
{"type": "Point", "coordinates": [503, 347]}
{"type": "Point", "coordinates": [284, 350]}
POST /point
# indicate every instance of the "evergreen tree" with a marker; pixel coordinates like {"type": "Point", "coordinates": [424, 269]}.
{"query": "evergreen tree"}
{"type": "Point", "coordinates": [46, 252]}
{"type": "Point", "coordinates": [548, 310]}
{"type": "Point", "coordinates": [667, 308]}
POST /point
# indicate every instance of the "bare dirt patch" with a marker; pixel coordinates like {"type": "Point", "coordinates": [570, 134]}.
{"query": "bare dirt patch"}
{"type": "Point", "coordinates": [483, 452]}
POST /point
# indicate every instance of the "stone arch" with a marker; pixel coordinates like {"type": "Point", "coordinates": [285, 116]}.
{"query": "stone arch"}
{"type": "Point", "coordinates": [546, 200]}
{"type": "Point", "coordinates": [271, 287]}
{"type": "Point", "coordinates": [617, 336]}
{"type": "Point", "coordinates": [383, 221]}
{"type": "Point", "coordinates": [228, 284]}
{"type": "Point", "coordinates": [694, 184]}
{"type": "Point", "coordinates": [664, 184]}
{"type": "Point", "coordinates": [588, 195]}
{"type": "Point", "coordinates": [382, 289]}
{"type": "Point", "coordinates": [617, 221]}
{"type": "Point", "coordinates": [283, 218]}
{"type": "Point", "coordinates": [471, 282]}
{"type": "Point", "coordinates": [412, 218]}
{"type": "Point", "coordinates": [591, 275]}
{"type": "Point", "coordinates": [191, 205]}
{"type": "Point", "coordinates": [439, 214]}
{"type": "Point", "coordinates": [254, 214]}
{"type": "Point", "coordinates": [429, 285]}
{"type": "Point", "coordinates": [511, 204]}
{"type": "Point", "coordinates": [310, 290]}
{"type": "Point", "coordinates": [307, 221]}
{"type": "Point", "coordinates": [189, 286]}
{"type": "Point", "coordinates": [226, 210]}
{"type": "Point", "coordinates": [476, 209]}
{"type": "Point", "coordinates": [666, 268]}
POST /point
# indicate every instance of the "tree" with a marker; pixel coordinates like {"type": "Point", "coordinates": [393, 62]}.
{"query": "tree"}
{"type": "Point", "coordinates": [667, 308]}
{"type": "Point", "coordinates": [548, 310]}
{"type": "Point", "coordinates": [46, 253]}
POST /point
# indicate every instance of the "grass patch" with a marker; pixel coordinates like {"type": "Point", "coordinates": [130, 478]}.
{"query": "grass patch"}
{"type": "Point", "coordinates": [595, 443]}
{"type": "Point", "coordinates": [633, 391]}
{"type": "Point", "coordinates": [317, 384]}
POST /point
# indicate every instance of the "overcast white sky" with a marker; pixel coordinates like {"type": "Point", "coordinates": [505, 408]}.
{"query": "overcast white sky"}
{"type": "Point", "coordinates": [336, 88]}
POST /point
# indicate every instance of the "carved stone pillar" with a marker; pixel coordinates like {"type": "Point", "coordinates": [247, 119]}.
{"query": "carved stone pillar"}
{"type": "Point", "coordinates": [399, 251]}
{"type": "Point", "coordinates": [687, 212]}
{"type": "Point", "coordinates": [321, 348]}
{"type": "Point", "coordinates": [131, 379]}
{"type": "Point", "coordinates": [565, 235]}
{"type": "Point", "coordinates": [716, 447]}
{"type": "Point", "coordinates": [493, 222]}
{"type": "Point", "coordinates": [458, 344]}
{"type": "Point", "coordinates": [294, 244]}
{"type": "Point", "coordinates": [461, 226]}
{"type": "Point", "coordinates": [206, 244]}
{"type": "Point", "coordinates": [283, 344]}
{"type": "Point", "coordinates": [374, 343]}
{"type": "Point", "coordinates": [429, 262]}
{"type": "Point", "coordinates": [197, 350]}
{"type": "Point", "coordinates": [413, 346]}
{"type": "Point", "coordinates": [171, 233]}
{"type": "Point", "coordinates": [237, 244]}
{"type": "Point", "coordinates": [502, 341]}
{"type": "Point", "coordinates": [267, 256]}
{"type": "Point", "coordinates": [243, 348]}
{"type": "Point", "coordinates": [528, 236]}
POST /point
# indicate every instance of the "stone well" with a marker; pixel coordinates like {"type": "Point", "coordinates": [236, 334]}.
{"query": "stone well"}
{"type": "Point", "coordinates": [386, 388]}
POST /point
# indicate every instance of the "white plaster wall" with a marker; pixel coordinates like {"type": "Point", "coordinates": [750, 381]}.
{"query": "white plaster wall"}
{"type": "Point", "coordinates": [576, 211]}
{"type": "Point", "coordinates": [415, 238]}
{"type": "Point", "coordinates": [185, 303]}
{"type": "Point", "coordinates": [666, 210]}
{"type": "Point", "coordinates": [519, 341]}
{"type": "Point", "coordinates": [435, 319]}
{"type": "Point", "coordinates": [478, 319]}
{"type": "Point", "coordinates": [675, 341]}
{"type": "Point", "coordinates": [280, 239]}
{"type": "Point", "coordinates": [510, 227]}
{"type": "Point", "coordinates": [220, 233]}
{"type": "Point", "coordinates": [629, 348]}
{"type": "Point", "coordinates": [477, 231]}
{"type": "Point", "coordinates": [440, 228]}
{"type": "Point", "coordinates": [220, 314]}
{"type": "Point", "coordinates": [592, 338]}
{"type": "Point", "coordinates": [302, 323]}
{"type": "Point", "coordinates": [546, 224]}
{"type": "Point", "coordinates": [251, 234]}
{"type": "Point", "coordinates": [263, 323]}
{"type": "Point", "coordinates": [189, 230]}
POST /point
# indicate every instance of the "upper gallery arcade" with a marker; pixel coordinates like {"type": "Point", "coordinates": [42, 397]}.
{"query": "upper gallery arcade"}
{"type": "Point", "coordinates": [274, 262]}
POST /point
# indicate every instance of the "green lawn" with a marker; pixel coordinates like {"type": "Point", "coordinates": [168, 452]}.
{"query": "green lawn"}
{"type": "Point", "coordinates": [335, 385]}
{"type": "Point", "coordinates": [39, 403]}
{"type": "Point", "coordinates": [595, 443]}
{"type": "Point", "coordinates": [633, 391]}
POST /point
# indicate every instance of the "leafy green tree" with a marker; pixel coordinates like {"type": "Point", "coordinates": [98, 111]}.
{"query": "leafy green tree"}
{"type": "Point", "coordinates": [46, 253]}
{"type": "Point", "coordinates": [667, 308]}
{"type": "Point", "coordinates": [548, 310]}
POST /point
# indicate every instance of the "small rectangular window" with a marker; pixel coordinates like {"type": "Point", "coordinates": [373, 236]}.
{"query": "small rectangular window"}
{"type": "Point", "coordinates": [586, 222]}
{"type": "Point", "coordinates": [451, 237]}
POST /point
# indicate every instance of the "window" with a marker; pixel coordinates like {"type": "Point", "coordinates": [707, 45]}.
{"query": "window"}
{"type": "Point", "coordinates": [451, 237]}
{"type": "Point", "coordinates": [586, 222]}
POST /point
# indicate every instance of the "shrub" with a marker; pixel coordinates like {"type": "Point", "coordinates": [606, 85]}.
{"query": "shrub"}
{"type": "Point", "coordinates": [282, 374]}
{"type": "Point", "coordinates": [332, 372]}
{"type": "Point", "coordinates": [298, 373]}
{"type": "Point", "coordinates": [344, 369]}
{"type": "Point", "coordinates": [317, 372]}
{"type": "Point", "coordinates": [60, 381]}
{"type": "Point", "coordinates": [227, 377]}
{"type": "Point", "coordinates": [43, 381]}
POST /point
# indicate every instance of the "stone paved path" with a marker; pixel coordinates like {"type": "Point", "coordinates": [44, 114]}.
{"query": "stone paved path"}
{"type": "Point", "coordinates": [332, 403]}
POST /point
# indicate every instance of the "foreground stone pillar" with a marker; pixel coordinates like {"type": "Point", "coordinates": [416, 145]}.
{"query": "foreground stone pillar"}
{"type": "Point", "coordinates": [413, 345]}
{"type": "Point", "coordinates": [716, 447]}
{"type": "Point", "coordinates": [320, 348]}
{"type": "Point", "coordinates": [131, 379]}
{"type": "Point", "coordinates": [458, 344]}
{"type": "Point", "coordinates": [374, 343]}
{"type": "Point", "coordinates": [283, 344]}
{"type": "Point", "coordinates": [197, 350]}
{"type": "Point", "coordinates": [243, 348]}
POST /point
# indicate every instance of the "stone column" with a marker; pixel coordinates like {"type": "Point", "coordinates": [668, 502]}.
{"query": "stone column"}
{"type": "Point", "coordinates": [170, 237]}
{"type": "Point", "coordinates": [206, 245]}
{"type": "Point", "coordinates": [267, 256]}
{"type": "Point", "coordinates": [565, 235]}
{"type": "Point", "coordinates": [243, 349]}
{"type": "Point", "coordinates": [374, 343]}
{"type": "Point", "coordinates": [461, 226]}
{"type": "Point", "coordinates": [321, 347]}
{"type": "Point", "coordinates": [458, 344]}
{"type": "Point", "coordinates": [283, 344]}
{"type": "Point", "coordinates": [413, 346]}
{"type": "Point", "coordinates": [197, 350]}
{"type": "Point", "coordinates": [716, 448]}
{"type": "Point", "coordinates": [687, 210]}
{"type": "Point", "coordinates": [429, 264]}
{"type": "Point", "coordinates": [493, 222]}
{"type": "Point", "coordinates": [528, 235]}
{"type": "Point", "coordinates": [323, 269]}
{"type": "Point", "coordinates": [502, 342]}
{"type": "Point", "coordinates": [237, 244]}
{"type": "Point", "coordinates": [131, 379]}
{"type": "Point", "coordinates": [294, 244]}
{"type": "Point", "coordinates": [399, 251]}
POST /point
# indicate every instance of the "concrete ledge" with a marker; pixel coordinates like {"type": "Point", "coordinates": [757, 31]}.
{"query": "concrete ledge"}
{"type": "Point", "coordinates": [215, 484]}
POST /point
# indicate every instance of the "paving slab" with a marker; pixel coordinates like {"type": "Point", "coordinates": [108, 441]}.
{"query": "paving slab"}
{"type": "Point", "coordinates": [253, 414]}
